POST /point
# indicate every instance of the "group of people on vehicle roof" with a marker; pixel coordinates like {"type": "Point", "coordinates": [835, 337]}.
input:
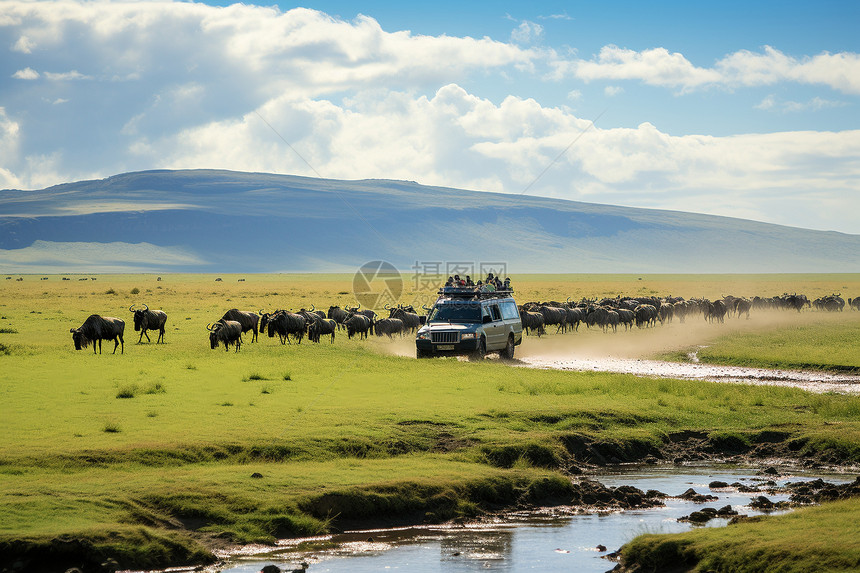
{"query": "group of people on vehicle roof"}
{"type": "Point", "coordinates": [492, 284]}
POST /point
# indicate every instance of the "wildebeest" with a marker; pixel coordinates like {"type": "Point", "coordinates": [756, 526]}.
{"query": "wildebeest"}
{"type": "Point", "coordinates": [337, 314]}
{"type": "Point", "coordinates": [410, 319]}
{"type": "Point", "coordinates": [366, 312]}
{"type": "Point", "coordinates": [321, 327]}
{"type": "Point", "coordinates": [646, 315]}
{"type": "Point", "coordinates": [388, 327]}
{"type": "Point", "coordinates": [97, 328]}
{"type": "Point", "coordinates": [626, 317]}
{"type": "Point", "coordinates": [149, 320]}
{"type": "Point", "coordinates": [358, 324]}
{"type": "Point", "coordinates": [248, 320]}
{"type": "Point", "coordinates": [285, 324]}
{"type": "Point", "coordinates": [226, 331]}
{"type": "Point", "coordinates": [854, 303]}
{"type": "Point", "coordinates": [554, 315]}
{"type": "Point", "coordinates": [532, 321]}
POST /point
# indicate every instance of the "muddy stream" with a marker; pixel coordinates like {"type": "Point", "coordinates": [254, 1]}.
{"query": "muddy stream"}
{"type": "Point", "coordinates": [553, 539]}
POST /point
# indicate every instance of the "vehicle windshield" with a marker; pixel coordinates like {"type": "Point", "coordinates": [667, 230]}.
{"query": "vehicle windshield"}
{"type": "Point", "coordinates": [455, 313]}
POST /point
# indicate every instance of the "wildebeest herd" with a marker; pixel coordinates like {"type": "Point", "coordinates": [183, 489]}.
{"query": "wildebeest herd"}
{"type": "Point", "coordinates": [646, 311]}
{"type": "Point", "coordinates": [607, 314]}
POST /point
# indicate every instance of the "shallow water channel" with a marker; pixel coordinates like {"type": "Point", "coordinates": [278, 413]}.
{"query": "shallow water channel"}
{"type": "Point", "coordinates": [556, 539]}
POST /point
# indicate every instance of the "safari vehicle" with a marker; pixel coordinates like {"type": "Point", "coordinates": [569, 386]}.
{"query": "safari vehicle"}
{"type": "Point", "coordinates": [470, 323]}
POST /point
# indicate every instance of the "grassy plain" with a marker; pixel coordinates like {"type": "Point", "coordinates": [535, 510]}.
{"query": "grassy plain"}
{"type": "Point", "coordinates": [149, 453]}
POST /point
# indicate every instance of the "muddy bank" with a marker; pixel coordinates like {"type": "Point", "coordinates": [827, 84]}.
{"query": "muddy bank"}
{"type": "Point", "coordinates": [811, 381]}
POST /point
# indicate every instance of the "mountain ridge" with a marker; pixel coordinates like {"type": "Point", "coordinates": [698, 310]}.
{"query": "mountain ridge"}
{"type": "Point", "coordinates": [205, 220]}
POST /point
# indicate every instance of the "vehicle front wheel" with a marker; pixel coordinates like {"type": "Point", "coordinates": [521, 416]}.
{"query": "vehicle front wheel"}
{"type": "Point", "coordinates": [480, 352]}
{"type": "Point", "coordinates": [423, 353]}
{"type": "Point", "coordinates": [507, 353]}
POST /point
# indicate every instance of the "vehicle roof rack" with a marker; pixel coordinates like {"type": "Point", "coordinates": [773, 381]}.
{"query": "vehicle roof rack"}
{"type": "Point", "coordinates": [471, 293]}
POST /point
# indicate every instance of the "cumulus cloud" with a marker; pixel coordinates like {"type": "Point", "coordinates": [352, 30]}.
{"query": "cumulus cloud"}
{"type": "Point", "coordinates": [659, 67]}
{"type": "Point", "coordinates": [23, 45]}
{"type": "Point", "coordinates": [459, 140]}
{"type": "Point", "coordinates": [26, 74]}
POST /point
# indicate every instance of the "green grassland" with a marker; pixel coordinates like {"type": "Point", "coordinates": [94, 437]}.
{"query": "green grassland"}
{"type": "Point", "coordinates": [149, 455]}
{"type": "Point", "coordinates": [824, 538]}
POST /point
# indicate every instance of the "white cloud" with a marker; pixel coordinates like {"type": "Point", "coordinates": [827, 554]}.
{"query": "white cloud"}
{"type": "Point", "coordinates": [527, 33]}
{"type": "Point", "coordinates": [24, 45]}
{"type": "Point", "coordinates": [611, 91]}
{"type": "Point", "coordinates": [26, 74]}
{"type": "Point", "coordinates": [656, 66]}
{"type": "Point", "coordinates": [659, 67]}
{"type": "Point", "coordinates": [770, 103]}
{"type": "Point", "coordinates": [66, 76]}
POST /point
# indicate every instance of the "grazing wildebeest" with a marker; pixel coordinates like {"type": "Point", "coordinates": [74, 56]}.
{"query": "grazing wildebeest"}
{"type": "Point", "coordinates": [248, 320]}
{"type": "Point", "coordinates": [149, 320]}
{"type": "Point", "coordinates": [854, 303]}
{"type": "Point", "coordinates": [97, 328]}
{"type": "Point", "coordinates": [226, 331]}
{"type": "Point", "coordinates": [389, 327]}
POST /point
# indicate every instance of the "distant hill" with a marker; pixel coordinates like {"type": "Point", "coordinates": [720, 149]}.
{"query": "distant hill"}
{"type": "Point", "coordinates": [224, 221]}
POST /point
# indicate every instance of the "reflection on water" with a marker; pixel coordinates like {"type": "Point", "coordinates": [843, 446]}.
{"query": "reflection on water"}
{"type": "Point", "coordinates": [555, 539]}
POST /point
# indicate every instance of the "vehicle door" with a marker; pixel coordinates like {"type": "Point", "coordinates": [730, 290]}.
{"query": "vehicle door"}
{"type": "Point", "coordinates": [495, 329]}
{"type": "Point", "coordinates": [513, 323]}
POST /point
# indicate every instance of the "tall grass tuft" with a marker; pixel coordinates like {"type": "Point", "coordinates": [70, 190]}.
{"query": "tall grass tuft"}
{"type": "Point", "coordinates": [135, 290]}
{"type": "Point", "coordinates": [155, 388]}
{"type": "Point", "coordinates": [127, 391]}
{"type": "Point", "coordinates": [111, 427]}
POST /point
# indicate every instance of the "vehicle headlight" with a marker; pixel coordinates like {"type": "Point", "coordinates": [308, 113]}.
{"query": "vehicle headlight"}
{"type": "Point", "coordinates": [424, 336]}
{"type": "Point", "coordinates": [467, 335]}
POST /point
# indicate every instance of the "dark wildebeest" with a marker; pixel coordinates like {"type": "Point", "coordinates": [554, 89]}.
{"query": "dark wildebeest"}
{"type": "Point", "coordinates": [854, 303]}
{"type": "Point", "coordinates": [149, 320]}
{"type": "Point", "coordinates": [407, 315]}
{"type": "Point", "coordinates": [321, 327]}
{"type": "Point", "coordinates": [97, 328]}
{"type": "Point", "coordinates": [532, 321]}
{"type": "Point", "coordinates": [248, 320]}
{"type": "Point", "coordinates": [337, 314]}
{"type": "Point", "coordinates": [575, 315]}
{"type": "Point", "coordinates": [286, 323]}
{"type": "Point", "coordinates": [226, 331]}
{"type": "Point", "coordinates": [366, 312]}
{"type": "Point", "coordinates": [646, 315]}
{"type": "Point", "coordinates": [388, 327]}
{"type": "Point", "coordinates": [554, 315]}
{"type": "Point", "coordinates": [627, 317]}
{"type": "Point", "coordinates": [742, 306]}
{"type": "Point", "coordinates": [358, 324]}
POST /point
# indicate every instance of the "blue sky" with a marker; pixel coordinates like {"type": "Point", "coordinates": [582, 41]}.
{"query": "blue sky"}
{"type": "Point", "coordinates": [745, 109]}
